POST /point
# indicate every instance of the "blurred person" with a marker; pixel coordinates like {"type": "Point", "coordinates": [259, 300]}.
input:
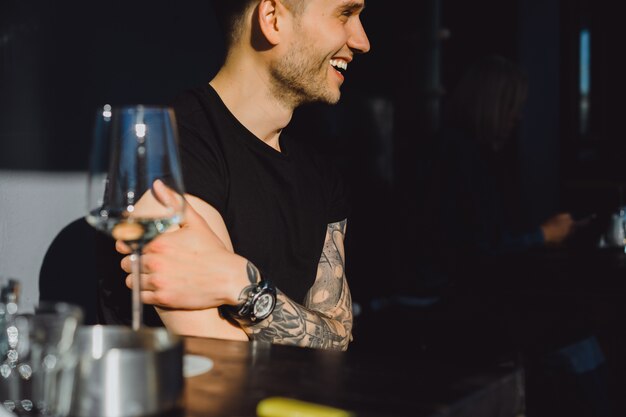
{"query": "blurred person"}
{"type": "Point", "coordinates": [260, 254]}
{"type": "Point", "coordinates": [472, 208]}
{"type": "Point", "coordinates": [482, 211]}
{"type": "Point", "coordinates": [476, 229]}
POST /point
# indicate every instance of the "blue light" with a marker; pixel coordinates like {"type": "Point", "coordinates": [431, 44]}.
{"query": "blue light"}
{"type": "Point", "coordinates": [585, 62]}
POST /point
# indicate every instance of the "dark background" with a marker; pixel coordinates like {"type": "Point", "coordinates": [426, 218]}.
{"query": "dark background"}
{"type": "Point", "coordinates": [60, 60]}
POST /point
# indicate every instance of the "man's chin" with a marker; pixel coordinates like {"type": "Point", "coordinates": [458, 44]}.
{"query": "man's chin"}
{"type": "Point", "coordinates": [336, 99]}
{"type": "Point", "coordinates": [331, 98]}
{"type": "Point", "coordinates": [326, 97]}
{"type": "Point", "coordinates": [333, 101]}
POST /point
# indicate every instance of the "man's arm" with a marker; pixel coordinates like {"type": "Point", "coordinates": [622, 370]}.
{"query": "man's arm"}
{"type": "Point", "coordinates": [193, 269]}
{"type": "Point", "coordinates": [194, 322]}
{"type": "Point", "coordinates": [325, 321]}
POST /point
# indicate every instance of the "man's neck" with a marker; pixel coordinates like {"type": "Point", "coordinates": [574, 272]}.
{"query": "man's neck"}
{"type": "Point", "coordinates": [244, 88]}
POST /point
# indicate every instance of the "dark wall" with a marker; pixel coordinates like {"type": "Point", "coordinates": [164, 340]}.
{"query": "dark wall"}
{"type": "Point", "coordinates": [477, 28]}
{"type": "Point", "coordinates": [539, 54]}
{"type": "Point", "coordinates": [61, 60]}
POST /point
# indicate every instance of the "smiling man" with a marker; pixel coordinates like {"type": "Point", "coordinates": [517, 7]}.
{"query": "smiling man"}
{"type": "Point", "coordinates": [260, 255]}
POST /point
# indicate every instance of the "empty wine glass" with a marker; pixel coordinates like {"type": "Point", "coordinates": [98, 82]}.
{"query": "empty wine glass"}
{"type": "Point", "coordinates": [134, 150]}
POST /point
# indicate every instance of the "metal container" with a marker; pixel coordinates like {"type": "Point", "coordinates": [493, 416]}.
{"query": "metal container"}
{"type": "Point", "coordinates": [122, 372]}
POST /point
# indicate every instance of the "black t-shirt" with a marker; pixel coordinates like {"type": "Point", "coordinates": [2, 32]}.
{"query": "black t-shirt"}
{"type": "Point", "coordinates": [276, 205]}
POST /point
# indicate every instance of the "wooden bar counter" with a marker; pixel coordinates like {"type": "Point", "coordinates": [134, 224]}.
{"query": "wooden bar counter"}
{"type": "Point", "coordinates": [367, 384]}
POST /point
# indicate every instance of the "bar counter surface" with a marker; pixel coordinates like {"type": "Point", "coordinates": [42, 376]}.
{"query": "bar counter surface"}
{"type": "Point", "coordinates": [365, 383]}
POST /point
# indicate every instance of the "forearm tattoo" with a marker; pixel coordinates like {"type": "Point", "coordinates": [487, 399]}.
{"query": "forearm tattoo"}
{"type": "Point", "coordinates": [325, 320]}
{"type": "Point", "coordinates": [253, 273]}
{"type": "Point", "coordinates": [253, 277]}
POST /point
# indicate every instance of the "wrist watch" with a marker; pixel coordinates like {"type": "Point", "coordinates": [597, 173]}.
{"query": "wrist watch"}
{"type": "Point", "coordinates": [259, 304]}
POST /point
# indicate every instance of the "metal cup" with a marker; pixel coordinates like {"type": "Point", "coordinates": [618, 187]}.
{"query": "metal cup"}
{"type": "Point", "coordinates": [122, 372]}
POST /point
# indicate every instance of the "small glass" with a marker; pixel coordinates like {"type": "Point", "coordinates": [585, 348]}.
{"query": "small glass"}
{"type": "Point", "coordinates": [38, 358]}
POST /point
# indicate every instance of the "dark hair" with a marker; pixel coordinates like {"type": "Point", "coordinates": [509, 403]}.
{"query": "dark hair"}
{"type": "Point", "coordinates": [230, 15]}
{"type": "Point", "coordinates": [488, 99]}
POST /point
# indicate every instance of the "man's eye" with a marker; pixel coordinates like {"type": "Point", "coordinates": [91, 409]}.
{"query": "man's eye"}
{"type": "Point", "coordinates": [345, 16]}
{"type": "Point", "coordinates": [346, 11]}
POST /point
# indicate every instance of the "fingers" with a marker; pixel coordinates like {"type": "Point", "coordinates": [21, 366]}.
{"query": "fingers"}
{"type": "Point", "coordinates": [562, 218]}
{"type": "Point", "coordinates": [126, 264]}
{"type": "Point", "coordinates": [148, 264]}
{"type": "Point", "coordinates": [149, 293]}
{"type": "Point", "coordinates": [561, 223]}
{"type": "Point", "coordinates": [168, 197]}
{"type": "Point", "coordinates": [148, 297]}
{"type": "Point", "coordinates": [145, 281]}
{"type": "Point", "coordinates": [122, 247]}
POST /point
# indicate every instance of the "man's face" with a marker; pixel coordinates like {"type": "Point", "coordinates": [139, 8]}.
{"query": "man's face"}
{"type": "Point", "coordinates": [325, 37]}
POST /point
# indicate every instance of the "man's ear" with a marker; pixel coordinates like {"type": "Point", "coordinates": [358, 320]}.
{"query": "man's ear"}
{"type": "Point", "coordinates": [272, 15]}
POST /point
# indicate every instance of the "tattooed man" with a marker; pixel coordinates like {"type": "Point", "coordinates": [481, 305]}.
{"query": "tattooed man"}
{"type": "Point", "coordinates": [260, 255]}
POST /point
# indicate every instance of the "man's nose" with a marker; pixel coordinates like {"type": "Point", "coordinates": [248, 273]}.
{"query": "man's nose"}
{"type": "Point", "coordinates": [358, 40]}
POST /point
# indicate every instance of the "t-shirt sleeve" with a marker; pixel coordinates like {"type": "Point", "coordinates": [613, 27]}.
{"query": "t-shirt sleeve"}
{"type": "Point", "coordinates": [201, 158]}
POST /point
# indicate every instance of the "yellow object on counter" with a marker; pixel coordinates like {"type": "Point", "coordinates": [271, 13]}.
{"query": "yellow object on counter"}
{"type": "Point", "coordinates": [290, 407]}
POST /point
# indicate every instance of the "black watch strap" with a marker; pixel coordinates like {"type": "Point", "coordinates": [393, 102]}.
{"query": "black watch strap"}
{"type": "Point", "coordinates": [258, 305]}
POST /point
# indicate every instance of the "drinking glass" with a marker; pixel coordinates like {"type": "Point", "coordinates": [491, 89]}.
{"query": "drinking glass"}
{"type": "Point", "coordinates": [134, 150]}
{"type": "Point", "coordinates": [38, 358]}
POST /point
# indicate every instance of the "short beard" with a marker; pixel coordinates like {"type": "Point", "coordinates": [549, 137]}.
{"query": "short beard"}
{"type": "Point", "coordinates": [297, 79]}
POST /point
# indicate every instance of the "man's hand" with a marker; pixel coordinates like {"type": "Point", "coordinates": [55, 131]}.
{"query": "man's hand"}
{"type": "Point", "coordinates": [189, 268]}
{"type": "Point", "coordinates": [557, 228]}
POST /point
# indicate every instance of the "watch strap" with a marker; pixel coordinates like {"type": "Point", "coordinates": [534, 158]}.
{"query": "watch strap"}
{"type": "Point", "coordinates": [245, 310]}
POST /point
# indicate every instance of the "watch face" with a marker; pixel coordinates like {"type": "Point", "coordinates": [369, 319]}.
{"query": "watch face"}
{"type": "Point", "coordinates": [263, 306]}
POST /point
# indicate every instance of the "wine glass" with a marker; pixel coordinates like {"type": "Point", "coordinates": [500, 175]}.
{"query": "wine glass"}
{"type": "Point", "coordinates": [135, 189]}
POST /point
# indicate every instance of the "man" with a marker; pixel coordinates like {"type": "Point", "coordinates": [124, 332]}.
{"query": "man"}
{"type": "Point", "coordinates": [266, 218]}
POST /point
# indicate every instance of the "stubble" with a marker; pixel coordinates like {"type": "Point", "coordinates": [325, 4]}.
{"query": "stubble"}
{"type": "Point", "coordinates": [302, 76]}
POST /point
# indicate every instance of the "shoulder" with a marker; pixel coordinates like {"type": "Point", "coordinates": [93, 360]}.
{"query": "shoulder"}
{"type": "Point", "coordinates": [189, 104]}
{"type": "Point", "coordinates": [198, 120]}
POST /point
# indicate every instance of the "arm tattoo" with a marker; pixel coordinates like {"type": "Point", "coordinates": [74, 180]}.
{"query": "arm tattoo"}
{"type": "Point", "coordinates": [253, 273]}
{"type": "Point", "coordinates": [325, 320]}
{"type": "Point", "coordinates": [253, 277]}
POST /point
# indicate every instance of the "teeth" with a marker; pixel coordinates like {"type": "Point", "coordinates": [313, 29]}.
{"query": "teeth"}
{"type": "Point", "coordinates": [339, 63]}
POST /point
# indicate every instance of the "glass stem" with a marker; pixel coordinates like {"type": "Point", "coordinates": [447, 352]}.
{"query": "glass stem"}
{"type": "Point", "coordinates": [137, 306]}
